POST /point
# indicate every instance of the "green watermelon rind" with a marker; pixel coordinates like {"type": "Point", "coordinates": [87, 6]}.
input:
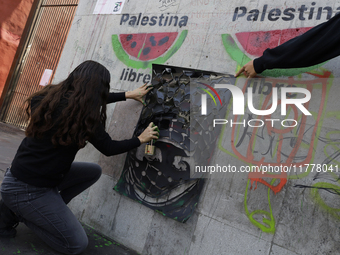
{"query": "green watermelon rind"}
{"type": "Point", "coordinates": [241, 58]}
{"type": "Point", "coordinates": [139, 64]}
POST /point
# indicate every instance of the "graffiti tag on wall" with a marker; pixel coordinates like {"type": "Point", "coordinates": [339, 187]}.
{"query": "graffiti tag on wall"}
{"type": "Point", "coordinates": [286, 147]}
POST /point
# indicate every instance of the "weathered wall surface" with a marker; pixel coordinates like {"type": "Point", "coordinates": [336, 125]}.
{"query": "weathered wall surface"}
{"type": "Point", "coordinates": [13, 17]}
{"type": "Point", "coordinates": [278, 217]}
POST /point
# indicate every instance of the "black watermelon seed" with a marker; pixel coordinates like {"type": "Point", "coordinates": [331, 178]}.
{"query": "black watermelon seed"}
{"type": "Point", "coordinates": [163, 40]}
{"type": "Point", "coordinates": [146, 51]}
{"type": "Point", "coordinates": [129, 37]}
{"type": "Point", "coordinates": [152, 40]}
{"type": "Point", "coordinates": [133, 44]}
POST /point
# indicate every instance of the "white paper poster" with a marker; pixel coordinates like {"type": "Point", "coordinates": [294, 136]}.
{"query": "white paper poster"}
{"type": "Point", "coordinates": [45, 78]}
{"type": "Point", "coordinates": [109, 7]}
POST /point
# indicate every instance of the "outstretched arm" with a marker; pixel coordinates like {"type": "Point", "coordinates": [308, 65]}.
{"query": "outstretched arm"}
{"type": "Point", "coordinates": [317, 45]}
{"type": "Point", "coordinates": [103, 142]}
{"type": "Point", "coordinates": [136, 94]}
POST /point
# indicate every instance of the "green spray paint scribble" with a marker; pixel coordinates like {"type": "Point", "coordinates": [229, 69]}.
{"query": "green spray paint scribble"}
{"type": "Point", "coordinates": [180, 203]}
{"type": "Point", "coordinates": [334, 144]}
{"type": "Point", "coordinates": [102, 241]}
{"type": "Point", "coordinates": [332, 114]}
{"type": "Point", "coordinates": [335, 212]}
{"type": "Point", "coordinates": [268, 225]}
{"type": "Point", "coordinates": [125, 58]}
{"type": "Point", "coordinates": [241, 58]}
{"type": "Point", "coordinates": [36, 250]}
{"type": "Point", "coordinates": [160, 212]}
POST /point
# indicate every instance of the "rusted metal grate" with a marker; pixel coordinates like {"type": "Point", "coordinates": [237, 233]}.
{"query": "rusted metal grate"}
{"type": "Point", "coordinates": [43, 51]}
{"type": "Point", "coordinates": [60, 2]}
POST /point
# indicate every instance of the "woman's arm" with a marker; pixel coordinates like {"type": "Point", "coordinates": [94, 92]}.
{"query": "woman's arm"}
{"type": "Point", "coordinates": [317, 45]}
{"type": "Point", "coordinates": [136, 94]}
{"type": "Point", "coordinates": [115, 97]}
{"type": "Point", "coordinates": [103, 142]}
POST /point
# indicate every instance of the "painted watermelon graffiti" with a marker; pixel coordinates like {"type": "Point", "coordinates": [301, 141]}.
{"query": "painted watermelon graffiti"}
{"type": "Point", "coordinates": [144, 49]}
{"type": "Point", "coordinates": [254, 43]}
{"type": "Point", "coordinates": [257, 42]}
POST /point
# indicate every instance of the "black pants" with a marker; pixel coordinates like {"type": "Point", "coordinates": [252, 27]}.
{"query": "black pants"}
{"type": "Point", "coordinates": [44, 210]}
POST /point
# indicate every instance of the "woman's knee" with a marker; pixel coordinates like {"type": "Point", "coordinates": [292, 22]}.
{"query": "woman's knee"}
{"type": "Point", "coordinates": [87, 168]}
{"type": "Point", "coordinates": [95, 171]}
{"type": "Point", "coordinates": [98, 170]}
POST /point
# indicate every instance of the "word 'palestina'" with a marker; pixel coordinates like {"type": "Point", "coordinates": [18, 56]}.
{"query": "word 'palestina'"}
{"type": "Point", "coordinates": [154, 20]}
{"type": "Point", "coordinates": [303, 13]}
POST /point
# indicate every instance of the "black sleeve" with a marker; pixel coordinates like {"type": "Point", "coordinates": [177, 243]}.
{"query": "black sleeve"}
{"type": "Point", "coordinates": [317, 45]}
{"type": "Point", "coordinates": [115, 97]}
{"type": "Point", "coordinates": [103, 142]}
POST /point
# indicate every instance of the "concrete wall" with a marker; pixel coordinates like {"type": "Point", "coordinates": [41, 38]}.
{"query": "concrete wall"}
{"type": "Point", "coordinates": [232, 216]}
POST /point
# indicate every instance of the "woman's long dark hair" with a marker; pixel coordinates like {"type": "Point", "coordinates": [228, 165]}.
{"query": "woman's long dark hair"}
{"type": "Point", "coordinates": [85, 90]}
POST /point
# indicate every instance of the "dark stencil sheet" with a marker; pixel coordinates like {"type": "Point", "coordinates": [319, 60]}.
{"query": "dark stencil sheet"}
{"type": "Point", "coordinates": [163, 182]}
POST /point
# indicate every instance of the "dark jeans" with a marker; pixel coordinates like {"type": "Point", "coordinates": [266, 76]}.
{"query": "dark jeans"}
{"type": "Point", "coordinates": [44, 210]}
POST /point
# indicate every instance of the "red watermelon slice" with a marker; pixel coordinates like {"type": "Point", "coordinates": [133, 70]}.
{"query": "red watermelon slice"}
{"type": "Point", "coordinates": [141, 50]}
{"type": "Point", "coordinates": [147, 46]}
{"type": "Point", "coordinates": [255, 43]}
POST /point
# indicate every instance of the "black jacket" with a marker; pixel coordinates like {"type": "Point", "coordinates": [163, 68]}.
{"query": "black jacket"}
{"type": "Point", "coordinates": [38, 162]}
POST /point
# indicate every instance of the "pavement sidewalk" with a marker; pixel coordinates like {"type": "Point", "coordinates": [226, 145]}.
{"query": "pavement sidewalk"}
{"type": "Point", "coordinates": [26, 242]}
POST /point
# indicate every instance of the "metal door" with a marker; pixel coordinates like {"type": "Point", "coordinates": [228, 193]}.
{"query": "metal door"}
{"type": "Point", "coordinates": [42, 51]}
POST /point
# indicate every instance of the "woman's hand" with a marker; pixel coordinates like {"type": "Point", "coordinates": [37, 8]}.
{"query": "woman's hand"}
{"type": "Point", "coordinates": [138, 93]}
{"type": "Point", "coordinates": [148, 134]}
{"type": "Point", "coordinates": [248, 70]}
